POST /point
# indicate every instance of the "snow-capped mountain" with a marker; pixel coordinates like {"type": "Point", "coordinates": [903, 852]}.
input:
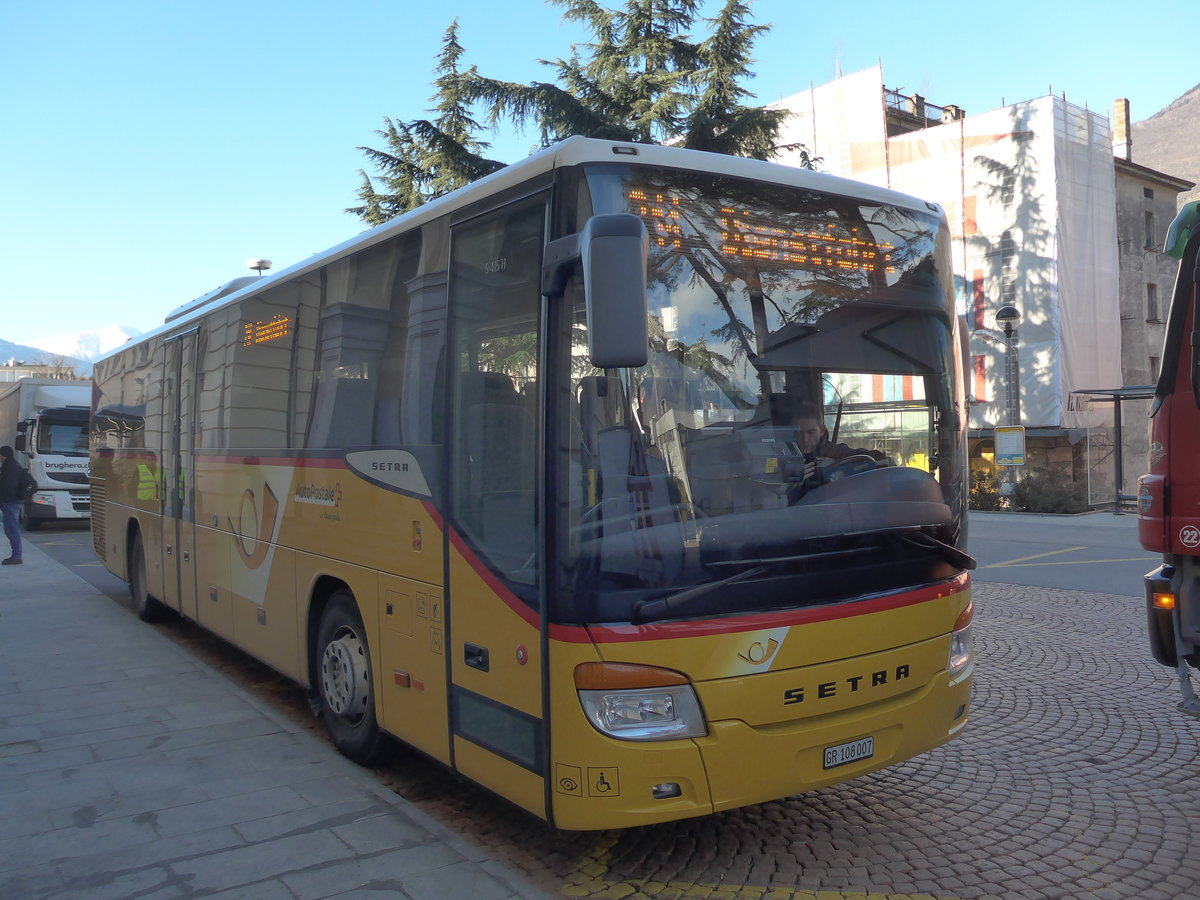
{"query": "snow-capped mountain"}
{"type": "Point", "coordinates": [87, 345]}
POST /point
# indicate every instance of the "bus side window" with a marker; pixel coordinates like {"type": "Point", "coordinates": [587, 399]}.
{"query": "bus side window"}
{"type": "Point", "coordinates": [497, 489]}
{"type": "Point", "coordinates": [494, 303]}
{"type": "Point", "coordinates": [348, 376]}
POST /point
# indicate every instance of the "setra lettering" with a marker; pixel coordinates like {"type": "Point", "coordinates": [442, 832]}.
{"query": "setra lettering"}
{"type": "Point", "coordinates": [389, 467]}
{"type": "Point", "coordinates": [852, 685]}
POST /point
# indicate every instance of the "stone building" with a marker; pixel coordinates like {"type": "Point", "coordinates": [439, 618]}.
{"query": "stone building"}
{"type": "Point", "coordinates": [1146, 204]}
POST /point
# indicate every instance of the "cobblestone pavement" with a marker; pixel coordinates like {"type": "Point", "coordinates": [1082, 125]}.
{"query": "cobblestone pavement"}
{"type": "Point", "coordinates": [1075, 778]}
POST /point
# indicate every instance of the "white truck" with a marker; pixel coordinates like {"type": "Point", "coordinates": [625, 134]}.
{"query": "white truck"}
{"type": "Point", "coordinates": [45, 421]}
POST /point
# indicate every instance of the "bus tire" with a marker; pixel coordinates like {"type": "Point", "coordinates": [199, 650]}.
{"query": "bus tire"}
{"type": "Point", "coordinates": [147, 607]}
{"type": "Point", "coordinates": [345, 688]}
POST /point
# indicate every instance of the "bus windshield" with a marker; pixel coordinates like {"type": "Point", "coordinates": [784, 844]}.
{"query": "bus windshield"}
{"type": "Point", "coordinates": [795, 437]}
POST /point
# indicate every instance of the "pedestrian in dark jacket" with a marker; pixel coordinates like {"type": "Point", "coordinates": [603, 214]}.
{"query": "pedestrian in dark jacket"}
{"type": "Point", "coordinates": [10, 503]}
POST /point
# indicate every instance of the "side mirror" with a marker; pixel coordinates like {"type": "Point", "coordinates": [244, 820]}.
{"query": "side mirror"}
{"type": "Point", "coordinates": [612, 249]}
{"type": "Point", "coordinates": [19, 442]}
{"type": "Point", "coordinates": [1181, 229]}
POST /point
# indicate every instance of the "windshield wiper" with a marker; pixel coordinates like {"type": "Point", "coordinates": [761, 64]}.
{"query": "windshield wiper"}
{"type": "Point", "coordinates": [678, 603]}
{"type": "Point", "coordinates": [952, 555]}
{"type": "Point", "coordinates": [685, 602]}
{"type": "Point", "coordinates": [672, 604]}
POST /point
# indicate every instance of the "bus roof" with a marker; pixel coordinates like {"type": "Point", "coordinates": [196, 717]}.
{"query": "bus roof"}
{"type": "Point", "coordinates": [570, 152]}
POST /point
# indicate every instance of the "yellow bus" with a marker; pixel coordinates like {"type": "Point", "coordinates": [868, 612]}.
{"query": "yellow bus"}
{"type": "Point", "coordinates": [529, 479]}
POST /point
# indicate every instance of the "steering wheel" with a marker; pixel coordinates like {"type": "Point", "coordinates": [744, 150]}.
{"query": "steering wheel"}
{"type": "Point", "coordinates": [855, 464]}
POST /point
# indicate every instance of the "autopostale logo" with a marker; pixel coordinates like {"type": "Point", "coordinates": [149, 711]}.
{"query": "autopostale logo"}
{"type": "Point", "coordinates": [319, 494]}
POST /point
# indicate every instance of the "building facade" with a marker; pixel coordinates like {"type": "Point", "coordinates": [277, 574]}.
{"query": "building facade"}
{"type": "Point", "coordinates": [1041, 213]}
{"type": "Point", "coordinates": [15, 370]}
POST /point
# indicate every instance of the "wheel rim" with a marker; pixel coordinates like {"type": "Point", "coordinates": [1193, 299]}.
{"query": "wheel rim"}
{"type": "Point", "coordinates": [345, 681]}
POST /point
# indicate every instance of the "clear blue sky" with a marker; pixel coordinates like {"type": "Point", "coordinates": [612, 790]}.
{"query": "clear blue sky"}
{"type": "Point", "coordinates": [147, 149]}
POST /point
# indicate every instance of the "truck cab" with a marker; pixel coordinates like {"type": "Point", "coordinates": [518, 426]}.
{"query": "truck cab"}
{"type": "Point", "coordinates": [46, 421]}
{"type": "Point", "coordinates": [1169, 493]}
{"type": "Point", "coordinates": [53, 446]}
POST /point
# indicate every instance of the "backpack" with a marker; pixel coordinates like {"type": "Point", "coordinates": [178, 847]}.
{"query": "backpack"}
{"type": "Point", "coordinates": [27, 486]}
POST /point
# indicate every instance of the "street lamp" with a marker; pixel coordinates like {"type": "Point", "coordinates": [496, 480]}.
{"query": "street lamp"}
{"type": "Point", "coordinates": [1008, 318]}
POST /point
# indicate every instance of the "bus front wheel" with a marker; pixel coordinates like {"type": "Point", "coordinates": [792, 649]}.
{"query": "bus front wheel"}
{"type": "Point", "coordinates": [344, 685]}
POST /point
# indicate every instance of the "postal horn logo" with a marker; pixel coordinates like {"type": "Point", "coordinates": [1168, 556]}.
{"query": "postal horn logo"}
{"type": "Point", "coordinates": [760, 651]}
{"type": "Point", "coordinates": [255, 527]}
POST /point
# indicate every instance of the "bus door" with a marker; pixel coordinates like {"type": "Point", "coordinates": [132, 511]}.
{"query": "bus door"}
{"type": "Point", "coordinates": [179, 537]}
{"type": "Point", "coordinates": [493, 563]}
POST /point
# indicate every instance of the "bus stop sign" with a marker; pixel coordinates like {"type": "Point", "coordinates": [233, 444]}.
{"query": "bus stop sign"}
{"type": "Point", "coordinates": [1010, 445]}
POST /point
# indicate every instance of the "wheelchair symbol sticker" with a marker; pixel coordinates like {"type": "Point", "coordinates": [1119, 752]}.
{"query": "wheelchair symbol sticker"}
{"type": "Point", "coordinates": [1189, 536]}
{"type": "Point", "coordinates": [603, 781]}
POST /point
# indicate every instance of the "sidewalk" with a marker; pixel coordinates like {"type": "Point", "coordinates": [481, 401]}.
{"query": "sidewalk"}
{"type": "Point", "coordinates": [1102, 519]}
{"type": "Point", "coordinates": [127, 768]}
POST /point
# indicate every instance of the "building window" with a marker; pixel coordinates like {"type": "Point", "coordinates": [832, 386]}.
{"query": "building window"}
{"type": "Point", "coordinates": [1153, 369]}
{"type": "Point", "coordinates": [1008, 268]}
{"type": "Point", "coordinates": [1152, 303]}
{"type": "Point", "coordinates": [1150, 241]}
{"type": "Point", "coordinates": [1008, 186]}
{"type": "Point", "coordinates": [1148, 193]}
{"type": "Point", "coordinates": [981, 385]}
{"type": "Point", "coordinates": [971, 215]}
{"type": "Point", "coordinates": [978, 303]}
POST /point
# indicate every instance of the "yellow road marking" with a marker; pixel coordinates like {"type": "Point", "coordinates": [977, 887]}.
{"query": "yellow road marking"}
{"type": "Point", "coordinates": [1021, 559]}
{"type": "Point", "coordinates": [1074, 562]}
{"type": "Point", "coordinates": [1024, 561]}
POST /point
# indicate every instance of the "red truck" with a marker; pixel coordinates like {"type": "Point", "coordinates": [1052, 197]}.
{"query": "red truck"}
{"type": "Point", "coordinates": [1169, 494]}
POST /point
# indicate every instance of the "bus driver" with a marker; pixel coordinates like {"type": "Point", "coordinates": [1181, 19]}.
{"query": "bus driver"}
{"type": "Point", "coordinates": [812, 436]}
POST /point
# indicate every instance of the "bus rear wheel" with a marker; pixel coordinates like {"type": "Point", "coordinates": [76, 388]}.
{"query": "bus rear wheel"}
{"type": "Point", "coordinates": [344, 685]}
{"type": "Point", "coordinates": [148, 608]}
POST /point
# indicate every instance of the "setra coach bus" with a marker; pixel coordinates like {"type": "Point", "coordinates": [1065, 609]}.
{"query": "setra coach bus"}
{"type": "Point", "coordinates": [628, 482]}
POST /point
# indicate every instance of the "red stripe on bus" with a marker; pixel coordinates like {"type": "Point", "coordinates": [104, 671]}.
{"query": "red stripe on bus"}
{"type": "Point", "coordinates": [489, 578]}
{"type": "Point", "coordinates": [611, 634]}
{"type": "Point", "coordinates": [657, 631]}
{"type": "Point", "coordinates": [293, 462]}
{"type": "Point", "coordinates": [433, 513]}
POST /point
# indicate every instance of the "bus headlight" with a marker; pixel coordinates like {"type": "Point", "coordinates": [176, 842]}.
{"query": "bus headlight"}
{"type": "Point", "coordinates": [43, 499]}
{"type": "Point", "coordinates": [962, 645]}
{"type": "Point", "coordinates": [639, 703]}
